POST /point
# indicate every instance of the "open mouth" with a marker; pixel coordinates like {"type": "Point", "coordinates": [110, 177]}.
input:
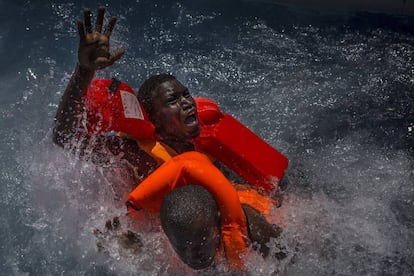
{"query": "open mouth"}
{"type": "Point", "coordinates": [191, 119]}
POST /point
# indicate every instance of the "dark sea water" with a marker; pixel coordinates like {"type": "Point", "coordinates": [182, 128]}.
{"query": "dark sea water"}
{"type": "Point", "coordinates": [332, 91]}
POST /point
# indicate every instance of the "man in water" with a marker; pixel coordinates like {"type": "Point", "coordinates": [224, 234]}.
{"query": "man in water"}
{"type": "Point", "coordinates": [172, 110]}
{"type": "Point", "coordinates": [189, 218]}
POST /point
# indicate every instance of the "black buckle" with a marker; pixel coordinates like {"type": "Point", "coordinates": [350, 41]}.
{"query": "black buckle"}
{"type": "Point", "coordinates": [113, 87]}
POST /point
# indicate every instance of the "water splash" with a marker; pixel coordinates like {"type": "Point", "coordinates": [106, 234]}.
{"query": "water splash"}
{"type": "Point", "coordinates": [334, 95]}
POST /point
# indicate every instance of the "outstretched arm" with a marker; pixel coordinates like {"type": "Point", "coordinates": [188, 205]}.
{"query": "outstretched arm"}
{"type": "Point", "coordinates": [93, 54]}
{"type": "Point", "coordinates": [260, 230]}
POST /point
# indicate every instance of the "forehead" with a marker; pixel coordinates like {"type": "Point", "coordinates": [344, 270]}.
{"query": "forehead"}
{"type": "Point", "coordinates": [169, 87]}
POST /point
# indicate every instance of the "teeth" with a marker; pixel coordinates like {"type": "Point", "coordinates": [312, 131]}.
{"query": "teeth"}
{"type": "Point", "coordinates": [190, 119]}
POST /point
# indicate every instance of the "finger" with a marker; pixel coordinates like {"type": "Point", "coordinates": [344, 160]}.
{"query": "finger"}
{"type": "Point", "coordinates": [99, 19]}
{"type": "Point", "coordinates": [103, 48]}
{"type": "Point", "coordinates": [101, 62]}
{"type": "Point", "coordinates": [81, 30]}
{"type": "Point", "coordinates": [110, 26]}
{"type": "Point", "coordinates": [116, 56]}
{"type": "Point", "coordinates": [87, 17]}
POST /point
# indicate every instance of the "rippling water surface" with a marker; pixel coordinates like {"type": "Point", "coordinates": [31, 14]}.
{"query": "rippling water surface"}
{"type": "Point", "coordinates": [333, 92]}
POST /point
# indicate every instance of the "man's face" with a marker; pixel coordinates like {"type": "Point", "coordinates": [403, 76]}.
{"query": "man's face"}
{"type": "Point", "coordinates": [198, 251]}
{"type": "Point", "coordinates": [175, 112]}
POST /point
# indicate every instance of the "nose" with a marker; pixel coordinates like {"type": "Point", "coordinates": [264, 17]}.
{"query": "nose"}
{"type": "Point", "coordinates": [186, 102]}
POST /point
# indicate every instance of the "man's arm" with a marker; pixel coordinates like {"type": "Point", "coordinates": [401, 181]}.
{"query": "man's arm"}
{"type": "Point", "coordinates": [70, 111]}
{"type": "Point", "coordinates": [260, 230]}
{"type": "Point", "coordinates": [93, 54]}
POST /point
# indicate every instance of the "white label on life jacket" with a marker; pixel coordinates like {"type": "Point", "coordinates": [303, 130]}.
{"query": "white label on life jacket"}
{"type": "Point", "coordinates": [132, 109]}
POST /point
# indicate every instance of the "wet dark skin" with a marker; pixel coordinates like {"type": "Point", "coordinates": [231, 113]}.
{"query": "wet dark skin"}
{"type": "Point", "coordinates": [200, 252]}
{"type": "Point", "coordinates": [93, 55]}
{"type": "Point", "coordinates": [173, 116]}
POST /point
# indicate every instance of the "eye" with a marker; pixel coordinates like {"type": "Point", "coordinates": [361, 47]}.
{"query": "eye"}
{"type": "Point", "coordinates": [186, 94]}
{"type": "Point", "coordinates": [171, 100]}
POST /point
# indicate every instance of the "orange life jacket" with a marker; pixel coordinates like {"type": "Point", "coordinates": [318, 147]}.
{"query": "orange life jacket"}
{"type": "Point", "coordinates": [229, 141]}
{"type": "Point", "coordinates": [113, 106]}
{"type": "Point", "coordinates": [194, 168]}
{"type": "Point", "coordinates": [197, 169]}
{"type": "Point", "coordinates": [118, 111]}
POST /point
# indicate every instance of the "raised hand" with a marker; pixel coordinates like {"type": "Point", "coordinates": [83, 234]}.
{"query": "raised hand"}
{"type": "Point", "coordinates": [93, 52]}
